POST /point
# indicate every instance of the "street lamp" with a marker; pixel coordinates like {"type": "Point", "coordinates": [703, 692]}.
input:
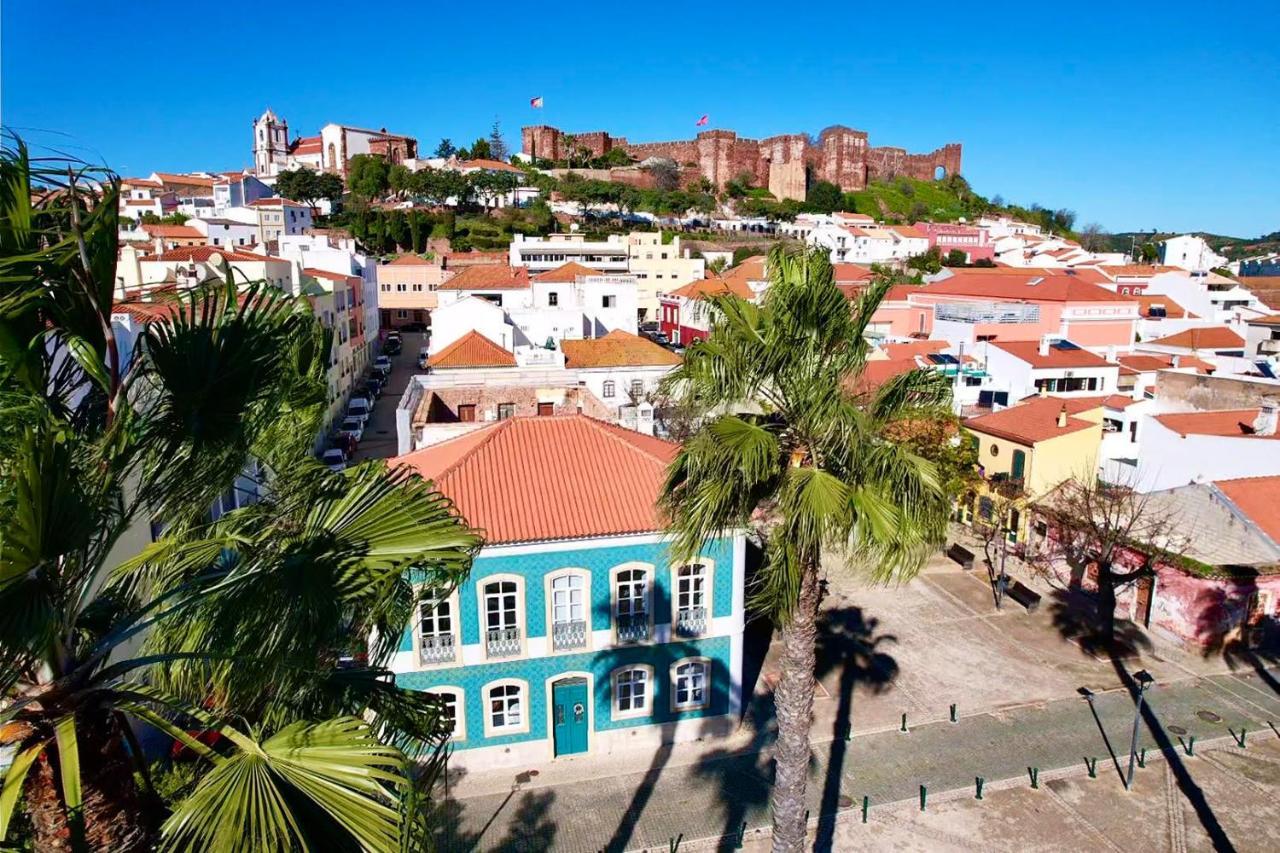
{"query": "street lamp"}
{"type": "Point", "coordinates": [1144, 680]}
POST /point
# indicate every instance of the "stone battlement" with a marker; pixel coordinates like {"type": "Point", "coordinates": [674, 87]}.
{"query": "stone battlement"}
{"type": "Point", "coordinates": [786, 164]}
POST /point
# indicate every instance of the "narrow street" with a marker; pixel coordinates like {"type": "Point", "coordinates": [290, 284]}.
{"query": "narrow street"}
{"type": "Point", "coordinates": [380, 433]}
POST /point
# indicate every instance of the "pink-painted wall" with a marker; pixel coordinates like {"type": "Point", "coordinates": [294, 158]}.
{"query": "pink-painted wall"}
{"type": "Point", "coordinates": [1101, 333]}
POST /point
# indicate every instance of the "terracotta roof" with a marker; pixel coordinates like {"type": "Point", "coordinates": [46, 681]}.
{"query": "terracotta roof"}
{"type": "Point", "coordinates": [1119, 401]}
{"type": "Point", "coordinates": [185, 232]}
{"type": "Point", "coordinates": [1236, 423]}
{"type": "Point", "coordinates": [876, 373]}
{"type": "Point", "coordinates": [1036, 287]}
{"type": "Point", "coordinates": [529, 479]}
{"type": "Point", "coordinates": [1033, 420]}
{"type": "Point", "coordinates": [566, 272]}
{"type": "Point", "coordinates": [1029, 351]}
{"type": "Point", "coordinates": [1147, 362]}
{"type": "Point", "coordinates": [751, 269]}
{"type": "Point", "coordinates": [1087, 274]}
{"type": "Point", "coordinates": [488, 277]}
{"type": "Point", "coordinates": [907, 231]}
{"type": "Point", "coordinates": [1203, 337]}
{"type": "Point", "coordinates": [472, 350]}
{"type": "Point", "coordinates": [1272, 320]}
{"type": "Point", "coordinates": [332, 276]}
{"type": "Point", "coordinates": [1258, 498]}
{"type": "Point", "coordinates": [188, 180]}
{"type": "Point", "coordinates": [913, 349]}
{"type": "Point", "coordinates": [1265, 287]}
{"type": "Point", "coordinates": [142, 202]}
{"type": "Point", "coordinates": [1172, 309]}
{"type": "Point", "coordinates": [146, 312]}
{"type": "Point", "coordinates": [617, 349]}
{"type": "Point", "coordinates": [411, 260]}
{"type": "Point", "coordinates": [201, 254]}
{"type": "Point", "coordinates": [845, 273]}
{"type": "Point", "coordinates": [275, 201]}
{"type": "Point", "coordinates": [306, 145]}
{"type": "Point", "coordinates": [713, 286]}
{"type": "Point", "coordinates": [1137, 270]}
{"type": "Point", "coordinates": [141, 182]}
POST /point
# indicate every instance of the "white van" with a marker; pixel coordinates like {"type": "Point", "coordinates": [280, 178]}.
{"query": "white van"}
{"type": "Point", "coordinates": [358, 407]}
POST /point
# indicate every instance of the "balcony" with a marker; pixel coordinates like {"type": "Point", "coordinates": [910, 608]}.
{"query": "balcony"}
{"type": "Point", "coordinates": [633, 628]}
{"type": "Point", "coordinates": [438, 648]}
{"type": "Point", "coordinates": [502, 642]}
{"type": "Point", "coordinates": [691, 621]}
{"type": "Point", "coordinates": [568, 635]}
{"type": "Point", "coordinates": [1269, 347]}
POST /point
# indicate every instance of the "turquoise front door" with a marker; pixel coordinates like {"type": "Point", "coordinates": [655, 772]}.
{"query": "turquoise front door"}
{"type": "Point", "coordinates": [569, 711]}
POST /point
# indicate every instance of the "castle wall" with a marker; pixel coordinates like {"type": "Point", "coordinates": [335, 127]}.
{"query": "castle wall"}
{"type": "Point", "coordinates": [788, 162]}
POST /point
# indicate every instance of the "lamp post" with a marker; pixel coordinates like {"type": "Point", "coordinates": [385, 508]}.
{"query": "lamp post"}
{"type": "Point", "coordinates": [1144, 680]}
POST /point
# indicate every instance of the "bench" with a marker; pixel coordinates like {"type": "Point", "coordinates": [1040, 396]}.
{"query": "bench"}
{"type": "Point", "coordinates": [961, 555]}
{"type": "Point", "coordinates": [1024, 595]}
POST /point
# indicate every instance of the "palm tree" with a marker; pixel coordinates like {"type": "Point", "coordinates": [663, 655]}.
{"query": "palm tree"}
{"type": "Point", "coordinates": [792, 448]}
{"type": "Point", "coordinates": [227, 634]}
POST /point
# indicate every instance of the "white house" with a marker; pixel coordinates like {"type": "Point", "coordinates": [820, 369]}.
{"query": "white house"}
{"type": "Point", "coordinates": [219, 231]}
{"type": "Point", "coordinates": [1190, 252]}
{"type": "Point", "coordinates": [1052, 366]}
{"type": "Point", "coordinates": [1190, 447]}
{"type": "Point", "coordinates": [623, 370]}
{"type": "Point", "coordinates": [542, 254]}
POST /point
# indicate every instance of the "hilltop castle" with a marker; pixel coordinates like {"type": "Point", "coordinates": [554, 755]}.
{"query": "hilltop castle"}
{"type": "Point", "coordinates": [785, 164]}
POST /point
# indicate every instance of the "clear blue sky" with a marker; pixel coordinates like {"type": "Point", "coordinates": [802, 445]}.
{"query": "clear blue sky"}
{"type": "Point", "coordinates": [1163, 116]}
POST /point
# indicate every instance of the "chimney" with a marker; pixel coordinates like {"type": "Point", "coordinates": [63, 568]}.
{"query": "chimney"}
{"type": "Point", "coordinates": [1112, 353]}
{"type": "Point", "coordinates": [1044, 390]}
{"type": "Point", "coordinates": [1265, 422]}
{"type": "Point", "coordinates": [1044, 346]}
{"type": "Point", "coordinates": [1177, 361]}
{"type": "Point", "coordinates": [1062, 417]}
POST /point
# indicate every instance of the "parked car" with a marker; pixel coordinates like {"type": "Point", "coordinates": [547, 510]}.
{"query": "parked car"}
{"type": "Point", "coordinates": [659, 338]}
{"type": "Point", "coordinates": [393, 346]}
{"type": "Point", "coordinates": [649, 326]}
{"type": "Point", "coordinates": [370, 389]}
{"type": "Point", "coordinates": [334, 459]}
{"type": "Point", "coordinates": [358, 407]}
{"type": "Point", "coordinates": [423, 355]}
{"type": "Point", "coordinates": [382, 365]}
{"type": "Point", "coordinates": [351, 427]}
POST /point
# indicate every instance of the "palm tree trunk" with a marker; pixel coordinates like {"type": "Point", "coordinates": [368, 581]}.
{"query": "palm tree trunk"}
{"type": "Point", "coordinates": [794, 703]}
{"type": "Point", "coordinates": [117, 815]}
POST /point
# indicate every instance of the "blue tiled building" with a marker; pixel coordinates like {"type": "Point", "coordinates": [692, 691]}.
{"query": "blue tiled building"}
{"type": "Point", "coordinates": [577, 631]}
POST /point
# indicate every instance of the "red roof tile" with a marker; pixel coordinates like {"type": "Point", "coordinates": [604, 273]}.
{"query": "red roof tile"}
{"type": "Point", "coordinates": [1029, 351]}
{"type": "Point", "coordinates": [1236, 423]}
{"type": "Point", "coordinates": [617, 349]}
{"type": "Point", "coordinates": [1033, 420]}
{"type": "Point", "coordinates": [566, 272]}
{"type": "Point", "coordinates": [913, 349]}
{"type": "Point", "coordinates": [472, 350]}
{"type": "Point", "coordinates": [488, 277]}
{"type": "Point", "coordinates": [412, 261]}
{"type": "Point", "coordinates": [1203, 337]}
{"type": "Point", "coordinates": [275, 201]}
{"type": "Point", "coordinates": [490, 166]}
{"type": "Point", "coordinates": [529, 479]}
{"type": "Point", "coordinates": [849, 273]}
{"type": "Point", "coordinates": [1172, 309]}
{"type": "Point", "coordinates": [713, 286]}
{"type": "Point", "coordinates": [1147, 362]}
{"type": "Point", "coordinates": [1088, 274]}
{"type": "Point", "coordinates": [1033, 287]}
{"type": "Point", "coordinates": [185, 180]}
{"type": "Point", "coordinates": [201, 254]}
{"type": "Point", "coordinates": [332, 276]}
{"type": "Point", "coordinates": [175, 232]}
{"type": "Point", "coordinates": [1258, 498]}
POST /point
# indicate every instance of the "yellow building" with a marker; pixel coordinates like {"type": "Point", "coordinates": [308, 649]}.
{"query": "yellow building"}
{"type": "Point", "coordinates": [1026, 450]}
{"type": "Point", "coordinates": [659, 268]}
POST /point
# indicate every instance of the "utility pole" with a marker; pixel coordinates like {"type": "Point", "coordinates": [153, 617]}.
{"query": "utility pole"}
{"type": "Point", "coordinates": [1144, 680]}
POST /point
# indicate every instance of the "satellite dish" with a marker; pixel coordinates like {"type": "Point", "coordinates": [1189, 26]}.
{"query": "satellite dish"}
{"type": "Point", "coordinates": [216, 259]}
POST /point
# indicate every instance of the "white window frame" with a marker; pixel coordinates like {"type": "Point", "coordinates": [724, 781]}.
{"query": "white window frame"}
{"type": "Point", "coordinates": [522, 614]}
{"type": "Point", "coordinates": [708, 589]}
{"type": "Point", "coordinates": [615, 695]}
{"type": "Point", "coordinates": [650, 571]}
{"type": "Point", "coordinates": [609, 389]}
{"type": "Point", "coordinates": [459, 709]}
{"type": "Point", "coordinates": [705, 662]}
{"type": "Point", "coordinates": [455, 620]}
{"type": "Point", "coordinates": [549, 598]}
{"type": "Point", "coordinates": [490, 730]}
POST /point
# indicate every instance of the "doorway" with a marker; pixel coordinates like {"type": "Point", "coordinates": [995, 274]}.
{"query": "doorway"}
{"type": "Point", "coordinates": [569, 699]}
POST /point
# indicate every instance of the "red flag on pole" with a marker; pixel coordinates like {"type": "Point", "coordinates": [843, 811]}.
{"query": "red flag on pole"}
{"type": "Point", "coordinates": [702, 122]}
{"type": "Point", "coordinates": [536, 103]}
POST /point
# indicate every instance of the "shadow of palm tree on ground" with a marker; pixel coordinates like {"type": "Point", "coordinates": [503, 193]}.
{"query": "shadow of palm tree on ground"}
{"type": "Point", "coordinates": [1076, 618]}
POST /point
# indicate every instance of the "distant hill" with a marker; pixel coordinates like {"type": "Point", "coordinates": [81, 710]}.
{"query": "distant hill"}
{"type": "Point", "coordinates": [1233, 247]}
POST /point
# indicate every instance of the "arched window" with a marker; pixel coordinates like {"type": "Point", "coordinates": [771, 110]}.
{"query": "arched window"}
{"type": "Point", "coordinates": [506, 711]}
{"type": "Point", "coordinates": [502, 623]}
{"type": "Point", "coordinates": [690, 684]}
{"type": "Point", "coordinates": [568, 612]}
{"type": "Point", "coordinates": [633, 691]}
{"type": "Point", "coordinates": [691, 599]}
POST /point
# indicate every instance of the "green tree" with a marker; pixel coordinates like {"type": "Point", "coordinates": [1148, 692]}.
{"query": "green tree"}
{"type": "Point", "coordinates": [927, 262]}
{"type": "Point", "coordinates": [497, 145]}
{"type": "Point", "coordinates": [823, 197]}
{"type": "Point", "coordinates": [480, 150]}
{"type": "Point", "coordinates": [446, 149]}
{"type": "Point", "coordinates": [955, 258]}
{"type": "Point", "coordinates": [367, 176]}
{"type": "Point", "coordinates": [230, 625]}
{"type": "Point", "coordinates": [816, 472]}
{"type": "Point", "coordinates": [399, 179]}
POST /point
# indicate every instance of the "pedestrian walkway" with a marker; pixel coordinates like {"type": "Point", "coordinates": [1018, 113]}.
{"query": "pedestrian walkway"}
{"type": "Point", "coordinates": [717, 794]}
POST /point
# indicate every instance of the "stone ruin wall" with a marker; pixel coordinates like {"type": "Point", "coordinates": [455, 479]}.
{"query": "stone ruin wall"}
{"type": "Point", "coordinates": [840, 155]}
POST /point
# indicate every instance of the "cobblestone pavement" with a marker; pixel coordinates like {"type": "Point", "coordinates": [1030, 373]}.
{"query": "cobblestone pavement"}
{"type": "Point", "coordinates": [1015, 682]}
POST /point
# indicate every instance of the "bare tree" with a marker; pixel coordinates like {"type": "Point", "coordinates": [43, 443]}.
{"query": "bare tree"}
{"type": "Point", "coordinates": [1093, 238]}
{"type": "Point", "coordinates": [1109, 531]}
{"type": "Point", "coordinates": [997, 515]}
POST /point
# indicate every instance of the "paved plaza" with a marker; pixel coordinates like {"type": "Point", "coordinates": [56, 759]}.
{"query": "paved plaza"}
{"type": "Point", "coordinates": [917, 649]}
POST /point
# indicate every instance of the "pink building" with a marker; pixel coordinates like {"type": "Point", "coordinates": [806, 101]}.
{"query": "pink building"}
{"type": "Point", "coordinates": [975, 242]}
{"type": "Point", "coordinates": [975, 305]}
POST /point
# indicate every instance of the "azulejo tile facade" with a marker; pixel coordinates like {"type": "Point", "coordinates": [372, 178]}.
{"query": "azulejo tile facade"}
{"type": "Point", "coordinates": [522, 686]}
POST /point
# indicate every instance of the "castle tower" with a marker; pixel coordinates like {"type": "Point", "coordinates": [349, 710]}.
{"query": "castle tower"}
{"type": "Point", "coordinates": [270, 144]}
